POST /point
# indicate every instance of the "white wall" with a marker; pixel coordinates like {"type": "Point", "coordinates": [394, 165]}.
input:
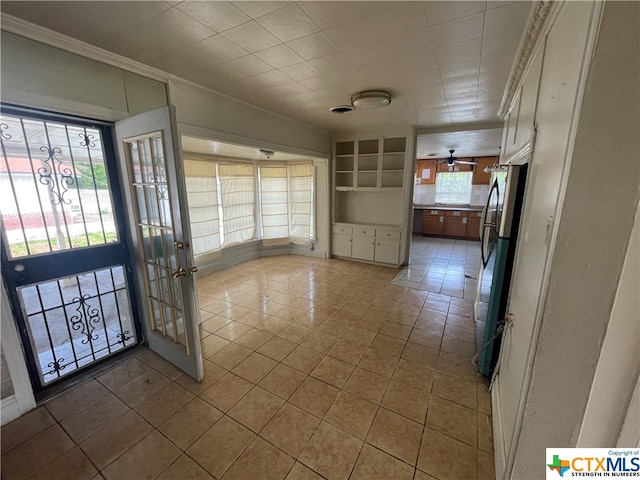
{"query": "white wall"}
{"type": "Point", "coordinates": [598, 175]}
{"type": "Point", "coordinates": [619, 361]}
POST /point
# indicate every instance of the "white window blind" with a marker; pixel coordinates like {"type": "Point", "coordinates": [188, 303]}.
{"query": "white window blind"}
{"type": "Point", "coordinates": [202, 196]}
{"type": "Point", "coordinates": [301, 203]}
{"type": "Point", "coordinates": [237, 188]}
{"type": "Point", "coordinates": [274, 205]}
{"type": "Point", "coordinates": [453, 187]}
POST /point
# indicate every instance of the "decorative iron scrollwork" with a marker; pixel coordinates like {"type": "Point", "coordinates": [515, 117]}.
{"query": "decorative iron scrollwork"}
{"type": "Point", "coordinates": [86, 317]}
{"type": "Point", "coordinates": [55, 367]}
{"type": "Point", "coordinates": [122, 337]}
{"type": "Point", "coordinates": [87, 140]}
{"type": "Point", "coordinates": [55, 175]}
{"type": "Point", "coordinates": [4, 126]}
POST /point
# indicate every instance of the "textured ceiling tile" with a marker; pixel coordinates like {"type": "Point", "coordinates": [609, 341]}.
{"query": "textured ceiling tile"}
{"type": "Point", "coordinates": [349, 75]}
{"type": "Point", "coordinates": [273, 78]}
{"type": "Point", "coordinates": [335, 95]}
{"type": "Point", "coordinates": [407, 43]}
{"type": "Point", "coordinates": [219, 16]}
{"type": "Point", "coordinates": [508, 17]}
{"type": "Point", "coordinates": [332, 63]}
{"type": "Point", "coordinates": [251, 36]}
{"type": "Point", "coordinates": [178, 25]}
{"type": "Point", "coordinates": [459, 52]}
{"type": "Point", "coordinates": [218, 47]}
{"type": "Point", "coordinates": [256, 9]}
{"type": "Point", "coordinates": [182, 61]}
{"type": "Point", "coordinates": [307, 98]}
{"type": "Point", "coordinates": [313, 46]}
{"type": "Point", "coordinates": [457, 31]}
{"type": "Point", "coordinates": [353, 34]}
{"type": "Point", "coordinates": [250, 64]}
{"type": "Point", "coordinates": [289, 89]}
{"type": "Point", "coordinates": [288, 23]}
{"type": "Point", "coordinates": [443, 11]}
{"type": "Point", "coordinates": [318, 83]}
{"type": "Point", "coordinates": [373, 7]}
{"type": "Point", "coordinates": [301, 71]}
{"type": "Point", "coordinates": [330, 14]}
{"type": "Point", "coordinates": [401, 19]}
{"type": "Point", "coordinates": [367, 54]}
{"type": "Point", "coordinates": [505, 42]}
{"type": "Point", "coordinates": [279, 56]}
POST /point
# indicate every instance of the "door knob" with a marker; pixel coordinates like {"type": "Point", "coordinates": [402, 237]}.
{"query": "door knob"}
{"type": "Point", "coordinates": [181, 272]}
{"type": "Point", "coordinates": [193, 269]}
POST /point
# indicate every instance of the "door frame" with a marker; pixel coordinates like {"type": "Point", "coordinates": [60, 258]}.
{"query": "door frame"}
{"type": "Point", "coordinates": [113, 166]}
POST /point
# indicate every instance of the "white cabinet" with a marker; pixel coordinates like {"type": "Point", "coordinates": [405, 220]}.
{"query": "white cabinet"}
{"type": "Point", "coordinates": [367, 244]}
{"type": "Point", "coordinates": [341, 241]}
{"type": "Point", "coordinates": [520, 120]}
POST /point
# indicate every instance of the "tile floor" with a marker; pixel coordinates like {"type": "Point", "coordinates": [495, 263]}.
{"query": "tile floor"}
{"type": "Point", "coordinates": [314, 369]}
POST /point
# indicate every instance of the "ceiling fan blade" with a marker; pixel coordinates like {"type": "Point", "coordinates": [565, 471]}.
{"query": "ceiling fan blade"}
{"type": "Point", "coordinates": [465, 162]}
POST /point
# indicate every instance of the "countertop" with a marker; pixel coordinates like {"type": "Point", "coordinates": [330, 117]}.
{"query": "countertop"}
{"type": "Point", "coordinates": [464, 208]}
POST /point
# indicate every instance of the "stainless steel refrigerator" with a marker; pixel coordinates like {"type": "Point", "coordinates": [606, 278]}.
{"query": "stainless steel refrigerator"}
{"type": "Point", "coordinates": [498, 237]}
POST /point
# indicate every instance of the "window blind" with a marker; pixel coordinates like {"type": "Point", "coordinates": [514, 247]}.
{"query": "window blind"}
{"type": "Point", "coordinates": [237, 194]}
{"type": "Point", "coordinates": [202, 197]}
{"type": "Point", "coordinates": [274, 205]}
{"type": "Point", "coordinates": [301, 203]}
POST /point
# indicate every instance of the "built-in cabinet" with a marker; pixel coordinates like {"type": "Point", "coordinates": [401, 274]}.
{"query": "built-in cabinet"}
{"type": "Point", "coordinates": [358, 242]}
{"type": "Point", "coordinates": [427, 169]}
{"type": "Point", "coordinates": [452, 223]}
{"type": "Point", "coordinates": [371, 203]}
{"type": "Point", "coordinates": [519, 121]}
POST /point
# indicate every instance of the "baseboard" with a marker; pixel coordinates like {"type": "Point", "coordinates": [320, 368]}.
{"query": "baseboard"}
{"type": "Point", "coordinates": [9, 410]}
{"type": "Point", "coordinates": [499, 453]}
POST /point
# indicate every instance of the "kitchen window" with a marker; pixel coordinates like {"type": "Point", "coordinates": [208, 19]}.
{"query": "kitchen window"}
{"type": "Point", "coordinates": [453, 188]}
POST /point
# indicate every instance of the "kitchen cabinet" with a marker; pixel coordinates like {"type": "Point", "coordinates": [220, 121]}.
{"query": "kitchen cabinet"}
{"type": "Point", "coordinates": [473, 225]}
{"type": "Point", "coordinates": [433, 222]}
{"type": "Point", "coordinates": [479, 176]}
{"type": "Point", "coordinates": [426, 172]}
{"type": "Point", "coordinates": [366, 243]}
{"type": "Point", "coordinates": [455, 223]}
{"type": "Point", "coordinates": [457, 167]}
{"type": "Point", "coordinates": [370, 164]}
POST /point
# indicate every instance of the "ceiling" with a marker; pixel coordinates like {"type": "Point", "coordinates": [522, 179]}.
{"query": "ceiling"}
{"type": "Point", "coordinates": [445, 63]}
{"type": "Point", "coordinates": [466, 143]}
{"type": "Point", "coordinates": [220, 149]}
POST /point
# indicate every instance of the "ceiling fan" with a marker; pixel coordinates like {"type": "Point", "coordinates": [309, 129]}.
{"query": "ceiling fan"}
{"type": "Point", "coordinates": [451, 161]}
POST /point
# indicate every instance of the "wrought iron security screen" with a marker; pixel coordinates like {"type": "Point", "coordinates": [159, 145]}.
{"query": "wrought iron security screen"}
{"type": "Point", "coordinates": [53, 186]}
{"type": "Point", "coordinates": [65, 260]}
{"type": "Point", "coordinates": [77, 320]}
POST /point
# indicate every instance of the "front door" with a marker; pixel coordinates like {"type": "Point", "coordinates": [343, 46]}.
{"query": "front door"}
{"type": "Point", "coordinates": [65, 259]}
{"type": "Point", "coordinates": [156, 195]}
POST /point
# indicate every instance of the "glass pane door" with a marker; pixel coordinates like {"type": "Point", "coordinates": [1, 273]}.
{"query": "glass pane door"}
{"type": "Point", "coordinates": [64, 261]}
{"type": "Point", "coordinates": [158, 214]}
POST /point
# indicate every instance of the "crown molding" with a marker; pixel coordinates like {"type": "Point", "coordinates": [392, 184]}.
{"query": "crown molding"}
{"type": "Point", "coordinates": [537, 22]}
{"type": "Point", "coordinates": [40, 34]}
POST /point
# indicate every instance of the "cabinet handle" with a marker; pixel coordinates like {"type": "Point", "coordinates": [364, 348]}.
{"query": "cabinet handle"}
{"type": "Point", "coordinates": [374, 242]}
{"type": "Point", "coordinates": [464, 220]}
{"type": "Point", "coordinates": [441, 219]}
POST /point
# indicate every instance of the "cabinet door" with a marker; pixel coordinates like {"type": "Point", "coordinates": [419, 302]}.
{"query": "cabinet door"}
{"type": "Point", "coordinates": [433, 224]}
{"type": "Point", "coordinates": [479, 176]}
{"type": "Point", "coordinates": [426, 172]}
{"type": "Point", "coordinates": [363, 247]}
{"type": "Point", "coordinates": [341, 245]}
{"type": "Point", "coordinates": [473, 228]}
{"type": "Point", "coordinates": [387, 251]}
{"type": "Point", "coordinates": [455, 226]}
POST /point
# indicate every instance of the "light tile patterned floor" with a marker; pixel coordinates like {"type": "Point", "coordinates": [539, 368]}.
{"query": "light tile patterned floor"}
{"type": "Point", "coordinates": [314, 369]}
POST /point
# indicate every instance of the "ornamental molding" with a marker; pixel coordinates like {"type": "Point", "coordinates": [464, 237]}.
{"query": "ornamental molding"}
{"type": "Point", "coordinates": [534, 31]}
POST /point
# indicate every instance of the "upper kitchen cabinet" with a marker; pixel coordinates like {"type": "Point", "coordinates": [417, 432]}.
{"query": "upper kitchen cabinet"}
{"type": "Point", "coordinates": [480, 177]}
{"type": "Point", "coordinates": [426, 172]}
{"type": "Point", "coordinates": [520, 119]}
{"type": "Point", "coordinates": [370, 164]}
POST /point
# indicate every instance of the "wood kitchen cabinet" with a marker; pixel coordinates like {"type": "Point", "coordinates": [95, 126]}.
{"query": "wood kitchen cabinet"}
{"type": "Point", "coordinates": [426, 172]}
{"type": "Point", "coordinates": [473, 226]}
{"type": "Point", "coordinates": [455, 223]}
{"type": "Point", "coordinates": [433, 222]}
{"type": "Point", "coordinates": [479, 176]}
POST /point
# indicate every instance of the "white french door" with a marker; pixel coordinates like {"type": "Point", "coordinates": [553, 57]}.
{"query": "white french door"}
{"type": "Point", "coordinates": [155, 193]}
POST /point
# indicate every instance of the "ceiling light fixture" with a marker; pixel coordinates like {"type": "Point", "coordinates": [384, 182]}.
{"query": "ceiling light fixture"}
{"type": "Point", "coordinates": [371, 99]}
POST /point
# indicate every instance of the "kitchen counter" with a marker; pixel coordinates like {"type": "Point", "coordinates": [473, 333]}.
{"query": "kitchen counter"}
{"type": "Point", "coordinates": [462, 208]}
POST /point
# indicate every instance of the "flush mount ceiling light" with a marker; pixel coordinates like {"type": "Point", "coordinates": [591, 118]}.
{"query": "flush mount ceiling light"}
{"type": "Point", "coordinates": [341, 109]}
{"type": "Point", "coordinates": [371, 99]}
